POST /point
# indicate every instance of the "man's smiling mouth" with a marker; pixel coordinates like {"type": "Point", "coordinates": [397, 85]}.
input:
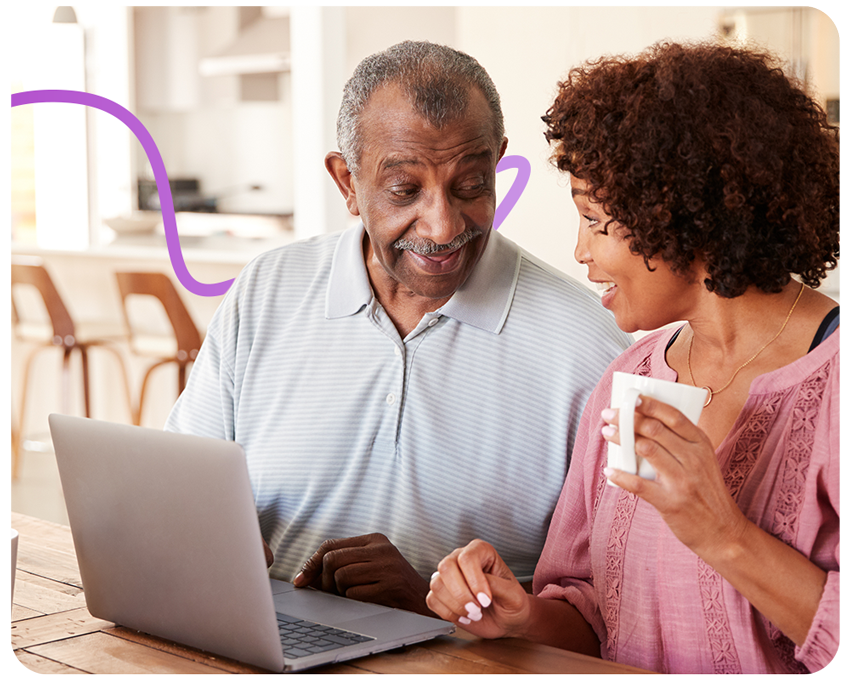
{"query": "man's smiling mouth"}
{"type": "Point", "coordinates": [438, 263]}
{"type": "Point", "coordinates": [427, 248]}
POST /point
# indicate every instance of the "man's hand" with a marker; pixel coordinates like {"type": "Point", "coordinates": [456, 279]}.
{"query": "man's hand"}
{"type": "Point", "coordinates": [268, 553]}
{"type": "Point", "coordinates": [366, 568]}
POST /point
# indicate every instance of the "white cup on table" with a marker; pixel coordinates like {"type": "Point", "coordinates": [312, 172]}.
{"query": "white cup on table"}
{"type": "Point", "coordinates": [14, 560]}
{"type": "Point", "coordinates": [625, 390]}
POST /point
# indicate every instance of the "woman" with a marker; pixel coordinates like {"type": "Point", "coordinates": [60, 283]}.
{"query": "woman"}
{"type": "Point", "coordinates": [704, 179]}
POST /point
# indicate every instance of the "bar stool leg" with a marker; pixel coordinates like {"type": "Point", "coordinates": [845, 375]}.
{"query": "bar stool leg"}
{"type": "Point", "coordinates": [66, 380]}
{"type": "Point", "coordinates": [16, 452]}
{"type": "Point", "coordinates": [145, 385]}
{"type": "Point", "coordinates": [15, 445]}
{"type": "Point", "coordinates": [84, 358]}
{"type": "Point", "coordinates": [181, 378]}
{"type": "Point", "coordinates": [125, 381]}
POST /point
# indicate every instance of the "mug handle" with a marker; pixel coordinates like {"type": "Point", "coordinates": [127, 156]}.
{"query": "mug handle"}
{"type": "Point", "coordinates": [627, 429]}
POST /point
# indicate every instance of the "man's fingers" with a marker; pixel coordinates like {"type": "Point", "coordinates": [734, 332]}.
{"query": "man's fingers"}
{"type": "Point", "coordinates": [365, 592]}
{"type": "Point", "coordinates": [347, 568]}
{"type": "Point", "coordinates": [320, 569]}
{"type": "Point", "coordinates": [312, 569]}
{"type": "Point", "coordinates": [268, 553]}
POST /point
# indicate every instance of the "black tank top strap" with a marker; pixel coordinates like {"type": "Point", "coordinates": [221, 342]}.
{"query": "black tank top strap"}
{"type": "Point", "coordinates": [673, 339]}
{"type": "Point", "coordinates": [827, 326]}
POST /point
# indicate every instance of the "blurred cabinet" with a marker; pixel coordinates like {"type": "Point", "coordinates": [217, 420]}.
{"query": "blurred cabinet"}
{"type": "Point", "coordinates": [166, 58]}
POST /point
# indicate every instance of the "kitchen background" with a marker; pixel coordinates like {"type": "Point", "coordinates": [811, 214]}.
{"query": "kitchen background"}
{"type": "Point", "coordinates": [242, 103]}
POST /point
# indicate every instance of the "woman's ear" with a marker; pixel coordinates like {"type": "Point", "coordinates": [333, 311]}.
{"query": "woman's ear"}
{"type": "Point", "coordinates": [342, 177]}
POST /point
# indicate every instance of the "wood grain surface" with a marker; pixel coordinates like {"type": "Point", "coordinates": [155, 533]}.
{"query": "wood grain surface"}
{"type": "Point", "coordinates": [53, 632]}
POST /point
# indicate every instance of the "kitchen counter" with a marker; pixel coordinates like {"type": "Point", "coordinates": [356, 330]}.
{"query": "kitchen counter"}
{"type": "Point", "coordinates": [204, 238]}
{"type": "Point", "coordinates": [223, 249]}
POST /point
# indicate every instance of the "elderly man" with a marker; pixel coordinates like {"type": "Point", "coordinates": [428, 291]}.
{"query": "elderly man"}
{"type": "Point", "coordinates": [413, 382]}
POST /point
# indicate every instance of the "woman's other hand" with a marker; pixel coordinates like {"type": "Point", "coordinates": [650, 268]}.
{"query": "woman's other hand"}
{"type": "Point", "coordinates": [688, 492]}
{"type": "Point", "coordinates": [474, 588]}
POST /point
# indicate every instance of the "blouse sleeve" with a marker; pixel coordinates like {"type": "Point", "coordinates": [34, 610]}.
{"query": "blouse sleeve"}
{"type": "Point", "coordinates": [564, 570]}
{"type": "Point", "coordinates": [821, 643]}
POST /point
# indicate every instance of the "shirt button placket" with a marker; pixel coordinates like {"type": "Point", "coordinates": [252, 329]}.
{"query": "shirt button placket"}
{"type": "Point", "coordinates": [391, 397]}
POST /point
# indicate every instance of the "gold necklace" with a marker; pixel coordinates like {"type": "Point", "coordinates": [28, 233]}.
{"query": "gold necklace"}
{"type": "Point", "coordinates": [711, 392]}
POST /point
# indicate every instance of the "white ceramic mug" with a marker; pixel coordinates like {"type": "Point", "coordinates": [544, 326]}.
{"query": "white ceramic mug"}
{"type": "Point", "coordinates": [14, 560]}
{"type": "Point", "coordinates": [625, 390]}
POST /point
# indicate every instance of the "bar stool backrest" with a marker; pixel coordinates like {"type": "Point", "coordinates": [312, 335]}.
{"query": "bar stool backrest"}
{"type": "Point", "coordinates": [160, 286]}
{"type": "Point", "coordinates": [32, 274]}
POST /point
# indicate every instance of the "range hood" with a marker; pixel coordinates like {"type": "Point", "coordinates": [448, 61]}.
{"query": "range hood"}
{"type": "Point", "coordinates": [261, 46]}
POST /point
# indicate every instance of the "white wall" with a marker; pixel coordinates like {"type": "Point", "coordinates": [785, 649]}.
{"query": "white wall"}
{"type": "Point", "coordinates": [372, 29]}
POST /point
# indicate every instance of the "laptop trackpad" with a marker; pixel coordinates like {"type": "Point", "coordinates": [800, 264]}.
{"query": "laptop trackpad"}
{"type": "Point", "coordinates": [320, 607]}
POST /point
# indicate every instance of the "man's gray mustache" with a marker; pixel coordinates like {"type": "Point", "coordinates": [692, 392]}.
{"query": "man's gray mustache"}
{"type": "Point", "coordinates": [427, 247]}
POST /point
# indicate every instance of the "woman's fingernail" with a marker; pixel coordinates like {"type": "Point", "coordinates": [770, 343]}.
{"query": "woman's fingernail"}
{"type": "Point", "coordinates": [608, 471]}
{"type": "Point", "coordinates": [609, 431]}
{"type": "Point", "coordinates": [435, 575]}
{"type": "Point", "coordinates": [608, 414]}
{"type": "Point", "coordinates": [484, 600]}
{"type": "Point", "coordinates": [473, 610]}
{"type": "Point", "coordinates": [638, 401]}
{"type": "Point", "coordinates": [465, 621]}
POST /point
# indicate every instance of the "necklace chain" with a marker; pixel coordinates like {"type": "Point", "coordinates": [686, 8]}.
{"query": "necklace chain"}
{"type": "Point", "coordinates": [712, 392]}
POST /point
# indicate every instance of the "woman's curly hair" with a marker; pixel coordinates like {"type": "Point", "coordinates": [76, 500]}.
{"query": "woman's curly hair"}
{"type": "Point", "coordinates": [705, 150]}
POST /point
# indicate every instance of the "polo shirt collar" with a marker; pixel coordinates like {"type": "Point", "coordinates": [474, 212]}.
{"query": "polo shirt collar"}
{"type": "Point", "coordinates": [483, 301]}
{"type": "Point", "coordinates": [349, 289]}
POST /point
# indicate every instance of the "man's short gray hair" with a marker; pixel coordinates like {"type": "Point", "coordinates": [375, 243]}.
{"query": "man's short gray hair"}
{"type": "Point", "coordinates": [438, 80]}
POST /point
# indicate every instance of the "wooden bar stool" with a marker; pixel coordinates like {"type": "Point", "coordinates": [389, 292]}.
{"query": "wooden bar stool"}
{"type": "Point", "coordinates": [62, 333]}
{"type": "Point", "coordinates": [186, 334]}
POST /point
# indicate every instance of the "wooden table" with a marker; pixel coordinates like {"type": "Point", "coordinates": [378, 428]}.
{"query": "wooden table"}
{"type": "Point", "coordinates": [53, 632]}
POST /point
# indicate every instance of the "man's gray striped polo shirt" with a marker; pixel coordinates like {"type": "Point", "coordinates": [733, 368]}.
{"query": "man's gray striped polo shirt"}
{"type": "Point", "coordinates": [461, 430]}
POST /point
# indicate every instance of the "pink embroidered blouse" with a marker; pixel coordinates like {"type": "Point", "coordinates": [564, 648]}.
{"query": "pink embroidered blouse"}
{"type": "Point", "coordinates": [652, 602]}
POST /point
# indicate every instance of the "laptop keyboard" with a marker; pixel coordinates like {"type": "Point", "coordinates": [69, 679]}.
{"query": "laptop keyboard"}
{"type": "Point", "coordinates": [302, 638]}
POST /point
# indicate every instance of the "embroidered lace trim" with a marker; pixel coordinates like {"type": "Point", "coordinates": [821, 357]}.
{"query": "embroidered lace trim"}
{"type": "Point", "coordinates": [624, 512]}
{"type": "Point", "coordinates": [724, 655]}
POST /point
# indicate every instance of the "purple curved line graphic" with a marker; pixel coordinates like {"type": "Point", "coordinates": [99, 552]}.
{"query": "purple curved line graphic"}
{"type": "Point", "coordinates": [172, 238]}
{"type": "Point", "coordinates": [523, 168]}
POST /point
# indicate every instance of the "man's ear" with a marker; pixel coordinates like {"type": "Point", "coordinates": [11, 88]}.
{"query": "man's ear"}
{"type": "Point", "coordinates": [502, 149]}
{"type": "Point", "coordinates": [342, 177]}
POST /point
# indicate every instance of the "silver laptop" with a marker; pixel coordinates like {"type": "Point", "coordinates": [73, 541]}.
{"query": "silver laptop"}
{"type": "Point", "coordinates": [168, 543]}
